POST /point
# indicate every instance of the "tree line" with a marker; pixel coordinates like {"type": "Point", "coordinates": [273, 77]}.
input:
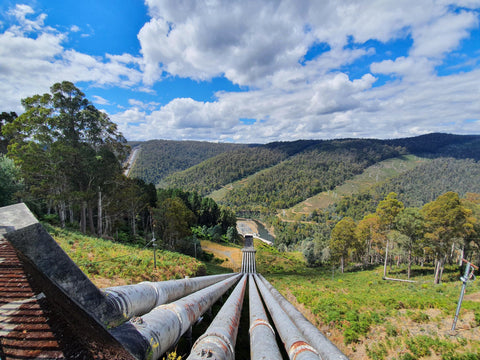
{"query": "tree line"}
{"type": "Point", "coordinates": [64, 158]}
{"type": "Point", "coordinates": [442, 231]}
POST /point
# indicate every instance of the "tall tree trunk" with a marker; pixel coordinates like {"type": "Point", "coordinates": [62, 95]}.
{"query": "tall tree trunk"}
{"type": "Point", "coordinates": [62, 213]}
{"type": "Point", "coordinates": [438, 271]}
{"type": "Point", "coordinates": [70, 213]}
{"type": "Point", "coordinates": [342, 263]}
{"type": "Point", "coordinates": [99, 215]}
{"type": "Point", "coordinates": [386, 261]}
{"type": "Point", "coordinates": [83, 218]}
{"type": "Point", "coordinates": [90, 220]}
{"type": "Point", "coordinates": [409, 263]}
{"type": "Point", "coordinates": [134, 230]}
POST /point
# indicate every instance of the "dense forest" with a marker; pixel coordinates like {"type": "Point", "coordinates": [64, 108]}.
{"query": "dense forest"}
{"type": "Point", "coordinates": [320, 167]}
{"type": "Point", "coordinates": [228, 167]}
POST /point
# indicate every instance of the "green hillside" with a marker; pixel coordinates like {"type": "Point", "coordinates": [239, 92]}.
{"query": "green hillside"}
{"type": "Point", "coordinates": [375, 174]}
{"type": "Point", "coordinates": [318, 168]}
{"type": "Point", "coordinates": [314, 174]}
{"type": "Point", "coordinates": [109, 263]}
{"type": "Point", "coordinates": [160, 158]}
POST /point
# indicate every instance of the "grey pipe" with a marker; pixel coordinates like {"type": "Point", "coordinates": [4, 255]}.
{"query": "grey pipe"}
{"type": "Point", "coordinates": [263, 344]}
{"type": "Point", "coordinates": [218, 342]}
{"type": "Point", "coordinates": [139, 299]}
{"type": "Point", "coordinates": [295, 343]}
{"type": "Point", "coordinates": [325, 347]}
{"type": "Point", "coordinates": [151, 335]}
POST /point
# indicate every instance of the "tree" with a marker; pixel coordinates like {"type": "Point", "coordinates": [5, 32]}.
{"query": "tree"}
{"type": "Point", "coordinates": [387, 210]}
{"type": "Point", "coordinates": [66, 149]}
{"type": "Point", "coordinates": [472, 240]}
{"type": "Point", "coordinates": [343, 240]}
{"type": "Point", "coordinates": [10, 182]}
{"type": "Point", "coordinates": [368, 234]}
{"type": "Point", "coordinates": [446, 221]}
{"type": "Point", "coordinates": [172, 222]}
{"type": "Point", "coordinates": [5, 118]}
{"type": "Point", "coordinates": [410, 223]}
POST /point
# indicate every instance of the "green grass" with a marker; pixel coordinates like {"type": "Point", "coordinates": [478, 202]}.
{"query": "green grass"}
{"type": "Point", "coordinates": [108, 263]}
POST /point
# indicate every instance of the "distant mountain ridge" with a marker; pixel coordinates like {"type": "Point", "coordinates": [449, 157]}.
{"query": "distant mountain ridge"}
{"type": "Point", "coordinates": [279, 175]}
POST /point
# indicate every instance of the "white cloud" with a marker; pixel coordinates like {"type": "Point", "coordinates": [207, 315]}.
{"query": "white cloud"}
{"type": "Point", "coordinates": [262, 45]}
{"type": "Point", "coordinates": [33, 57]}
{"type": "Point", "coordinates": [100, 100]}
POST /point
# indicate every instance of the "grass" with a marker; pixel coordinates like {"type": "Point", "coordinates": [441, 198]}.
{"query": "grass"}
{"type": "Point", "coordinates": [108, 263]}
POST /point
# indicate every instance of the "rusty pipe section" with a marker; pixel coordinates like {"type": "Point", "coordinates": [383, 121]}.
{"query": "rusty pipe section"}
{"type": "Point", "coordinates": [151, 335]}
{"type": "Point", "coordinates": [295, 343]}
{"type": "Point", "coordinates": [263, 344]}
{"type": "Point", "coordinates": [324, 347]}
{"type": "Point", "coordinates": [218, 342]}
{"type": "Point", "coordinates": [139, 299]}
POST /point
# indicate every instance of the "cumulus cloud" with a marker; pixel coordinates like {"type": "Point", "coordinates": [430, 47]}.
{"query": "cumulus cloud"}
{"type": "Point", "coordinates": [262, 45]}
{"type": "Point", "coordinates": [33, 57]}
{"type": "Point", "coordinates": [352, 87]}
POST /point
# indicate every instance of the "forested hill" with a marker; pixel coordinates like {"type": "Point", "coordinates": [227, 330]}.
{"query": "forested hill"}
{"type": "Point", "coordinates": [281, 174]}
{"type": "Point", "coordinates": [160, 158]}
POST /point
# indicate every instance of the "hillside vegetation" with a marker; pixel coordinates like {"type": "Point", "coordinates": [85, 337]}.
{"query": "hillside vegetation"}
{"type": "Point", "coordinates": [160, 158]}
{"type": "Point", "coordinates": [108, 263]}
{"type": "Point", "coordinates": [280, 175]}
{"type": "Point", "coordinates": [369, 318]}
{"type": "Point", "coordinates": [373, 175]}
{"type": "Point", "coordinates": [418, 186]}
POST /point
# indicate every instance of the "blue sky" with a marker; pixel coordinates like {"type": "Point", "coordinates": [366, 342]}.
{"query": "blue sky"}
{"type": "Point", "coordinates": [252, 71]}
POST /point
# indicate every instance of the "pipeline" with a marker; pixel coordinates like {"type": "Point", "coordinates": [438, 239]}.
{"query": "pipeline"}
{"type": "Point", "coordinates": [295, 343]}
{"type": "Point", "coordinates": [263, 344]}
{"type": "Point", "coordinates": [139, 299]}
{"type": "Point", "coordinates": [151, 335]}
{"type": "Point", "coordinates": [248, 260]}
{"type": "Point", "coordinates": [324, 347]}
{"type": "Point", "coordinates": [218, 342]}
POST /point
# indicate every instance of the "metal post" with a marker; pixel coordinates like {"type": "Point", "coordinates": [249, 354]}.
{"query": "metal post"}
{"type": "Point", "coordinates": [466, 276]}
{"type": "Point", "coordinates": [263, 344]}
{"type": "Point", "coordinates": [218, 342]}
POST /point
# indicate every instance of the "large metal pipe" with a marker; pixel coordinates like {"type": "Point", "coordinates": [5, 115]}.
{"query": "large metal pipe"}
{"type": "Point", "coordinates": [263, 344]}
{"type": "Point", "coordinates": [151, 335]}
{"type": "Point", "coordinates": [218, 342]}
{"type": "Point", "coordinates": [295, 343]}
{"type": "Point", "coordinates": [325, 347]}
{"type": "Point", "coordinates": [139, 299]}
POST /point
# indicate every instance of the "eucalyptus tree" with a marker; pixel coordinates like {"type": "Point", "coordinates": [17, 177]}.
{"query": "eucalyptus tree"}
{"type": "Point", "coordinates": [343, 240]}
{"type": "Point", "coordinates": [67, 150]}
{"type": "Point", "coordinates": [447, 221]}
{"type": "Point", "coordinates": [387, 211]}
{"type": "Point", "coordinates": [410, 223]}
